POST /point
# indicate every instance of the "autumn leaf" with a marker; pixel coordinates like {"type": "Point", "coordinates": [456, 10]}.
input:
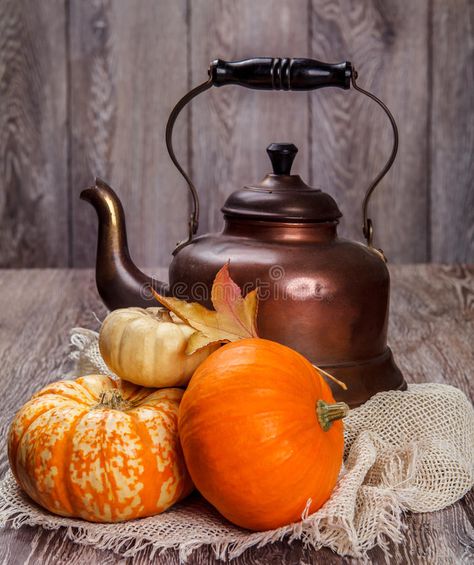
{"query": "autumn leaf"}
{"type": "Point", "coordinates": [227, 299]}
{"type": "Point", "coordinates": [330, 377]}
{"type": "Point", "coordinates": [233, 317]}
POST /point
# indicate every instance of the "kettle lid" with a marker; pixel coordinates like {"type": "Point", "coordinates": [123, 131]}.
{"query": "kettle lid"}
{"type": "Point", "coordinates": [281, 196]}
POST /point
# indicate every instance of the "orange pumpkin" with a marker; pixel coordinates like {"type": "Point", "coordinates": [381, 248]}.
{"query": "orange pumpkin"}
{"type": "Point", "coordinates": [260, 434]}
{"type": "Point", "coordinates": [88, 449]}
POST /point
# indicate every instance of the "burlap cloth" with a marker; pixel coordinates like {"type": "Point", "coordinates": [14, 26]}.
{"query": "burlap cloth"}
{"type": "Point", "coordinates": [405, 451]}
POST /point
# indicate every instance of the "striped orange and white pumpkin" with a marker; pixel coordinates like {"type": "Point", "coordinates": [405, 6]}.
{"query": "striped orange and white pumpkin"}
{"type": "Point", "coordinates": [88, 449]}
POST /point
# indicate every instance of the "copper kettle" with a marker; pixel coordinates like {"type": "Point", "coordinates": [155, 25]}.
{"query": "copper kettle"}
{"type": "Point", "coordinates": [326, 297]}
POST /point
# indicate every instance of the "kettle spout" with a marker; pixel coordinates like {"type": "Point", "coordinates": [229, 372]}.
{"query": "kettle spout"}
{"type": "Point", "coordinates": [119, 282]}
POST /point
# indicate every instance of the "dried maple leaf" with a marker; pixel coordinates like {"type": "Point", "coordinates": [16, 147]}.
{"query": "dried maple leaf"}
{"type": "Point", "coordinates": [233, 317]}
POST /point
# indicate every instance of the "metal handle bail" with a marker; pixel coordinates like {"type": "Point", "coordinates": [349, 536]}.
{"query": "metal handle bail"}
{"type": "Point", "coordinates": [367, 224]}
{"type": "Point", "coordinates": [332, 75]}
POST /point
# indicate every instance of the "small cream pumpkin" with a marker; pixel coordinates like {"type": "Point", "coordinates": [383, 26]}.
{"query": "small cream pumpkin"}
{"type": "Point", "coordinates": [147, 347]}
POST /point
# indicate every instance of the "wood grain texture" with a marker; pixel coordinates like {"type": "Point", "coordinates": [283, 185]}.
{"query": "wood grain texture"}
{"type": "Point", "coordinates": [431, 328]}
{"type": "Point", "coordinates": [452, 131]}
{"type": "Point", "coordinates": [128, 66]}
{"type": "Point", "coordinates": [431, 333]}
{"type": "Point", "coordinates": [351, 137]}
{"type": "Point", "coordinates": [33, 141]}
{"type": "Point", "coordinates": [86, 88]}
{"type": "Point", "coordinates": [232, 126]}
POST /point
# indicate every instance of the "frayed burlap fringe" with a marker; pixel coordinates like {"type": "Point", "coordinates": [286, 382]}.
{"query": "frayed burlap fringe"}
{"type": "Point", "coordinates": [404, 451]}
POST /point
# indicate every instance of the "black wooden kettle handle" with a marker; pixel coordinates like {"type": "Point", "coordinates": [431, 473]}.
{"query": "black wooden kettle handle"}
{"type": "Point", "coordinates": [268, 73]}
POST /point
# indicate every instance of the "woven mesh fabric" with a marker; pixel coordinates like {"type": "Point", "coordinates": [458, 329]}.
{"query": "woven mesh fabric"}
{"type": "Point", "coordinates": [411, 450]}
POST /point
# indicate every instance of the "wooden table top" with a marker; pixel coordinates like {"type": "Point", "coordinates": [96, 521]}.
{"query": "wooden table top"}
{"type": "Point", "coordinates": [431, 334]}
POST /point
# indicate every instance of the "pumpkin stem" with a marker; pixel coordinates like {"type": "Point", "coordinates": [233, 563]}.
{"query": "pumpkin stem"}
{"type": "Point", "coordinates": [112, 399]}
{"type": "Point", "coordinates": [327, 413]}
{"type": "Point", "coordinates": [164, 315]}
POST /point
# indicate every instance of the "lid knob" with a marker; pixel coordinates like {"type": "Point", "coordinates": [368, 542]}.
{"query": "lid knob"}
{"type": "Point", "coordinates": [282, 156]}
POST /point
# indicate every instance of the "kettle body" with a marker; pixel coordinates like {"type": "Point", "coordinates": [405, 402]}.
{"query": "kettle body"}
{"type": "Point", "coordinates": [323, 296]}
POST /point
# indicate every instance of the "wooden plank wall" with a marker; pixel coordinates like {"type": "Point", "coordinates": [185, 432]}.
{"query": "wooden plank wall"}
{"type": "Point", "coordinates": [34, 188]}
{"type": "Point", "coordinates": [86, 88]}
